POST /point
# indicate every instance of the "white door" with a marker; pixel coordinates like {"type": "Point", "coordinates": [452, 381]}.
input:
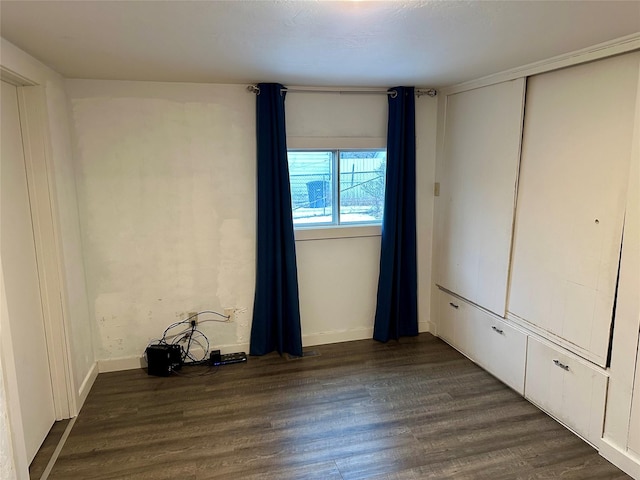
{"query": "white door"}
{"type": "Point", "coordinates": [22, 288]}
{"type": "Point", "coordinates": [477, 192]}
{"type": "Point", "coordinates": [572, 191]}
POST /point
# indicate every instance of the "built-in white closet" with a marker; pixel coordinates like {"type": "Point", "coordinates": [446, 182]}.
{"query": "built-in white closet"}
{"type": "Point", "coordinates": [534, 176]}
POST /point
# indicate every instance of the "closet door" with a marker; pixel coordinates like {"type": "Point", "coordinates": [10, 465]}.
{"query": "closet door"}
{"type": "Point", "coordinates": [22, 285]}
{"type": "Point", "coordinates": [571, 198]}
{"type": "Point", "coordinates": [477, 192]}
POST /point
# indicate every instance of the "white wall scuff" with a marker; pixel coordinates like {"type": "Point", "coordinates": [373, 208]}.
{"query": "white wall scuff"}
{"type": "Point", "coordinates": [166, 180]}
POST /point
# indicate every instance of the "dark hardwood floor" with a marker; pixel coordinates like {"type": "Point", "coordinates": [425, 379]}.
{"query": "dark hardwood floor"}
{"type": "Point", "coordinates": [42, 458]}
{"type": "Point", "coordinates": [411, 410]}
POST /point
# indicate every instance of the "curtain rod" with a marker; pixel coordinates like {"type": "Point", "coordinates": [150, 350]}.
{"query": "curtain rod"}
{"type": "Point", "coordinates": [431, 92]}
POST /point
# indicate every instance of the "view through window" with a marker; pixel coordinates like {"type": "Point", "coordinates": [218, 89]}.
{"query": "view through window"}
{"type": "Point", "coordinates": [337, 187]}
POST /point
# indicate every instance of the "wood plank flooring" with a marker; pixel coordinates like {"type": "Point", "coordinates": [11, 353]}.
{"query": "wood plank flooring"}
{"type": "Point", "coordinates": [408, 410]}
{"type": "Point", "coordinates": [42, 458]}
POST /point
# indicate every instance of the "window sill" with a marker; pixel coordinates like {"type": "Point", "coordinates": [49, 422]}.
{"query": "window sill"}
{"type": "Point", "coordinates": [330, 232]}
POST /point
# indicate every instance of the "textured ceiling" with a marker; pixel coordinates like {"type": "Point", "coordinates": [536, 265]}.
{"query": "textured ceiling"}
{"type": "Point", "coordinates": [328, 43]}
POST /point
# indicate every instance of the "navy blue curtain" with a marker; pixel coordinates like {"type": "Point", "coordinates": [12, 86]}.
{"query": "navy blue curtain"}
{"type": "Point", "coordinates": [276, 307]}
{"type": "Point", "coordinates": [397, 300]}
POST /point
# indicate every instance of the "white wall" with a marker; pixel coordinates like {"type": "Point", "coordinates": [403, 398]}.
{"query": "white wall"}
{"type": "Point", "coordinates": [338, 277]}
{"type": "Point", "coordinates": [166, 185]}
{"type": "Point", "coordinates": [81, 337]}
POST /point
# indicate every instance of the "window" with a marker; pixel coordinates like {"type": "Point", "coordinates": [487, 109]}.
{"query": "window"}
{"type": "Point", "coordinates": [337, 187]}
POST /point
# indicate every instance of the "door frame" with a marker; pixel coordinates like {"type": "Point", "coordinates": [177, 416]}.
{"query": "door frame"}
{"type": "Point", "coordinates": [40, 183]}
{"type": "Point", "coordinates": [38, 158]}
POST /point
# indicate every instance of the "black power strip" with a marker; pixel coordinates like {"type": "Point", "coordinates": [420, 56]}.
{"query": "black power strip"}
{"type": "Point", "coordinates": [217, 359]}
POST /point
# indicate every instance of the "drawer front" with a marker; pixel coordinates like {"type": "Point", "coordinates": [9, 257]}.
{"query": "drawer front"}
{"type": "Point", "coordinates": [449, 307]}
{"type": "Point", "coordinates": [566, 387]}
{"type": "Point", "coordinates": [502, 349]}
{"type": "Point", "coordinates": [454, 325]}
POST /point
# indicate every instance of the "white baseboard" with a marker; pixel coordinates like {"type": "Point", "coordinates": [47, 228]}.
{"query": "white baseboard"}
{"type": "Point", "coordinates": [138, 361]}
{"type": "Point", "coordinates": [85, 388]}
{"type": "Point", "coordinates": [429, 327]}
{"type": "Point", "coordinates": [366, 333]}
{"type": "Point", "coordinates": [324, 338]}
{"type": "Point", "coordinates": [625, 461]}
{"type": "Point", "coordinates": [119, 364]}
{"type": "Point", "coordinates": [321, 338]}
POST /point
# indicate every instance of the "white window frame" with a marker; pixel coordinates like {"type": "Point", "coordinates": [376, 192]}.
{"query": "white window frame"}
{"type": "Point", "coordinates": [350, 230]}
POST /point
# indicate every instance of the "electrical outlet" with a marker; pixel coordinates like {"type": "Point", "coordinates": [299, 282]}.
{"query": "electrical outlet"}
{"type": "Point", "coordinates": [193, 318]}
{"type": "Point", "coordinates": [229, 312]}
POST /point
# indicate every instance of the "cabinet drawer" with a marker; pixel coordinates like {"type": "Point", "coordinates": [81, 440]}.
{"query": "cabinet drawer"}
{"type": "Point", "coordinates": [566, 387]}
{"type": "Point", "coordinates": [500, 349]}
{"type": "Point", "coordinates": [488, 341]}
{"type": "Point", "coordinates": [447, 318]}
{"type": "Point", "coordinates": [453, 323]}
